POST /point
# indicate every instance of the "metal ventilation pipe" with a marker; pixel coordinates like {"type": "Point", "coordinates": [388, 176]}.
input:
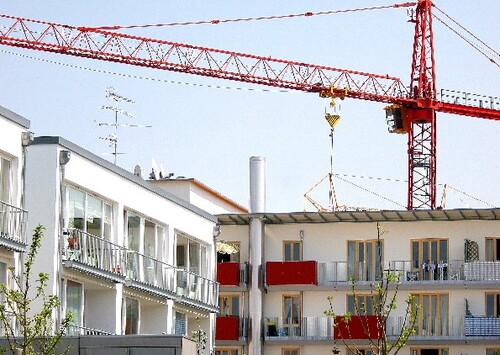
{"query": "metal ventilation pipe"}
{"type": "Point", "coordinates": [257, 205]}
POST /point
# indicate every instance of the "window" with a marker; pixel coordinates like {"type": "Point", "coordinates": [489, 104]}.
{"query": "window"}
{"type": "Point", "coordinates": [130, 313]}
{"type": "Point", "coordinates": [5, 176]}
{"type": "Point", "coordinates": [229, 305]}
{"type": "Point", "coordinates": [492, 249]}
{"type": "Point", "coordinates": [363, 259]}
{"type": "Point", "coordinates": [362, 304]}
{"type": "Point", "coordinates": [493, 351]}
{"type": "Point", "coordinates": [180, 323]}
{"type": "Point", "coordinates": [493, 305]}
{"type": "Point", "coordinates": [290, 351]}
{"type": "Point", "coordinates": [191, 255]}
{"type": "Point", "coordinates": [227, 351]}
{"type": "Point", "coordinates": [89, 213]}
{"type": "Point", "coordinates": [433, 314]}
{"type": "Point", "coordinates": [291, 250]}
{"type": "Point", "coordinates": [429, 258]}
{"type": "Point", "coordinates": [291, 314]}
{"type": "Point", "coordinates": [429, 351]}
{"type": "Point", "coordinates": [74, 302]}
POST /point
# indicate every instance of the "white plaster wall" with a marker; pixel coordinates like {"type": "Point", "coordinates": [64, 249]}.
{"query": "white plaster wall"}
{"type": "Point", "coordinates": [153, 318]}
{"type": "Point", "coordinates": [42, 203]}
{"type": "Point", "coordinates": [100, 310]}
{"type": "Point", "coordinates": [11, 148]}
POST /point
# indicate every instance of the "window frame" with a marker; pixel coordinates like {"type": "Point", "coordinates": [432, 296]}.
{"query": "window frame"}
{"type": "Point", "coordinates": [370, 268]}
{"type": "Point", "coordinates": [492, 252]}
{"type": "Point", "coordinates": [291, 244]}
{"type": "Point", "coordinates": [290, 351]}
{"type": "Point", "coordinates": [425, 319]}
{"type": "Point", "coordinates": [495, 312]}
{"type": "Point", "coordinates": [291, 327]}
{"type": "Point", "coordinates": [230, 305]}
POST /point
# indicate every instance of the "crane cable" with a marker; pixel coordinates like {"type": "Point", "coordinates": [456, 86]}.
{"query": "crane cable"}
{"type": "Point", "coordinates": [473, 45]}
{"type": "Point", "coordinates": [259, 18]}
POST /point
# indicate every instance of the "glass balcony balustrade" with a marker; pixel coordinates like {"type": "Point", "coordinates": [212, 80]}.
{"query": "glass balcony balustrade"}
{"type": "Point", "coordinates": [12, 227]}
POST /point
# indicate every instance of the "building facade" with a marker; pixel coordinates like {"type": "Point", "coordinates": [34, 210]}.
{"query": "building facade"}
{"type": "Point", "coordinates": [125, 257]}
{"type": "Point", "coordinates": [14, 138]}
{"type": "Point", "coordinates": [448, 260]}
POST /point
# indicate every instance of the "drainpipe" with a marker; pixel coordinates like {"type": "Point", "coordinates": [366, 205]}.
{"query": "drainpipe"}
{"type": "Point", "coordinates": [257, 205]}
{"type": "Point", "coordinates": [64, 157]}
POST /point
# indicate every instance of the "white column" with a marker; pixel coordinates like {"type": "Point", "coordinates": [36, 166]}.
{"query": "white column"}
{"type": "Point", "coordinates": [257, 205]}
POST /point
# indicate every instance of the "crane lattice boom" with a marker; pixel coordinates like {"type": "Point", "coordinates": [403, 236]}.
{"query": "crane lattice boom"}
{"type": "Point", "coordinates": [420, 101]}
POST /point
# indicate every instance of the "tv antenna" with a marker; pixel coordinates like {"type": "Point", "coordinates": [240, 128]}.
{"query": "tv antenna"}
{"type": "Point", "coordinates": [112, 138]}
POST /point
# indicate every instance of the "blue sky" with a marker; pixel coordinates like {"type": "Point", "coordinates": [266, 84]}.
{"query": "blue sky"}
{"type": "Point", "coordinates": [209, 133]}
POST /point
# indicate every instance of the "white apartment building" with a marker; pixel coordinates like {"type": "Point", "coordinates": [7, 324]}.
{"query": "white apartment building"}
{"type": "Point", "coordinates": [14, 137]}
{"type": "Point", "coordinates": [448, 259]}
{"type": "Point", "coordinates": [125, 256]}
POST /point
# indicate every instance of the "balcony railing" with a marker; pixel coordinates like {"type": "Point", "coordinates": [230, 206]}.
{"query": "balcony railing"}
{"type": "Point", "coordinates": [322, 328]}
{"type": "Point", "coordinates": [100, 256]}
{"type": "Point", "coordinates": [302, 329]}
{"type": "Point", "coordinates": [12, 227]}
{"type": "Point", "coordinates": [149, 271]}
{"type": "Point", "coordinates": [232, 328]}
{"type": "Point", "coordinates": [95, 252]}
{"type": "Point", "coordinates": [197, 288]}
{"type": "Point", "coordinates": [291, 273]}
{"type": "Point", "coordinates": [482, 327]}
{"type": "Point", "coordinates": [331, 273]}
{"type": "Point", "coordinates": [79, 330]}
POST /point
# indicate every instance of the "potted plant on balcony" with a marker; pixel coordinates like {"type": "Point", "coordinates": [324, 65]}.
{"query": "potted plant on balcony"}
{"type": "Point", "coordinates": [72, 242]}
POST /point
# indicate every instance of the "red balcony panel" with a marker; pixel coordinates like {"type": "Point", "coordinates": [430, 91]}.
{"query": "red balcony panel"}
{"type": "Point", "coordinates": [227, 328]}
{"type": "Point", "coordinates": [291, 273]}
{"type": "Point", "coordinates": [228, 274]}
{"type": "Point", "coordinates": [358, 327]}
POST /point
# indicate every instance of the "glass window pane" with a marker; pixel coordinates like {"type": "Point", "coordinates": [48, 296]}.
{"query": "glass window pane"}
{"type": "Point", "coordinates": [296, 251]}
{"type": "Point", "coordinates": [133, 228]}
{"type": "Point", "coordinates": [4, 180]}
{"type": "Point", "coordinates": [149, 239]}
{"type": "Point", "coordinates": [415, 255]}
{"type": "Point", "coordinates": [288, 252]}
{"type": "Point", "coordinates": [94, 216]}
{"type": "Point", "coordinates": [132, 316]}
{"type": "Point", "coordinates": [76, 205]}
{"type": "Point", "coordinates": [194, 257]}
{"type": "Point", "coordinates": [443, 250]}
{"type": "Point", "coordinates": [74, 301]}
{"type": "Point", "coordinates": [108, 218]}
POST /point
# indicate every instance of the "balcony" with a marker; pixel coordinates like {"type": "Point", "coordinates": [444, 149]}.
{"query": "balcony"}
{"type": "Point", "coordinates": [232, 274]}
{"type": "Point", "coordinates": [337, 272]}
{"type": "Point", "coordinates": [482, 327]}
{"type": "Point", "coordinates": [358, 327]}
{"type": "Point", "coordinates": [12, 227]}
{"type": "Point", "coordinates": [321, 329]}
{"type": "Point", "coordinates": [93, 255]}
{"type": "Point", "coordinates": [231, 329]}
{"type": "Point", "coordinates": [196, 290]}
{"type": "Point", "coordinates": [149, 274]}
{"type": "Point", "coordinates": [306, 329]}
{"type": "Point", "coordinates": [99, 257]}
{"type": "Point", "coordinates": [291, 273]}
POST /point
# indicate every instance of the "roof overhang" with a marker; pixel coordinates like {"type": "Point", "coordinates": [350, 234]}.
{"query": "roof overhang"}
{"type": "Point", "coordinates": [362, 216]}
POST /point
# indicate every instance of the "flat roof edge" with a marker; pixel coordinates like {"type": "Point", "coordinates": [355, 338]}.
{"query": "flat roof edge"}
{"type": "Point", "coordinates": [14, 117]}
{"type": "Point", "coordinates": [56, 140]}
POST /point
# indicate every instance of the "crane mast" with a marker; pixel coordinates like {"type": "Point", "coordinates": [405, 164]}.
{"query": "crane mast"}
{"type": "Point", "coordinates": [422, 118]}
{"type": "Point", "coordinates": [413, 109]}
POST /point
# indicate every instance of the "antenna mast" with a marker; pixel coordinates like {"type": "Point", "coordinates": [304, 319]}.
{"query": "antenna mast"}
{"type": "Point", "coordinates": [111, 94]}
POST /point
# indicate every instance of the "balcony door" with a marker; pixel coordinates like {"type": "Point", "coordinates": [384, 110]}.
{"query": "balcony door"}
{"type": "Point", "coordinates": [292, 309]}
{"type": "Point", "coordinates": [364, 259]}
{"type": "Point", "coordinates": [432, 315]}
{"type": "Point", "coordinates": [5, 174]}
{"type": "Point", "coordinates": [74, 303]}
{"type": "Point", "coordinates": [430, 258]}
{"type": "Point", "coordinates": [229, 305]}
{"type": "Point", "coordinates": [292, 250]}
{"type": "Point", "coordinates": [492, 249]}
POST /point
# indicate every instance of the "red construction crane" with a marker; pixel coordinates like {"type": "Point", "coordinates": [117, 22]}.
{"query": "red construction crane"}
{"type": "Point", "coordinates": [410, 111]}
